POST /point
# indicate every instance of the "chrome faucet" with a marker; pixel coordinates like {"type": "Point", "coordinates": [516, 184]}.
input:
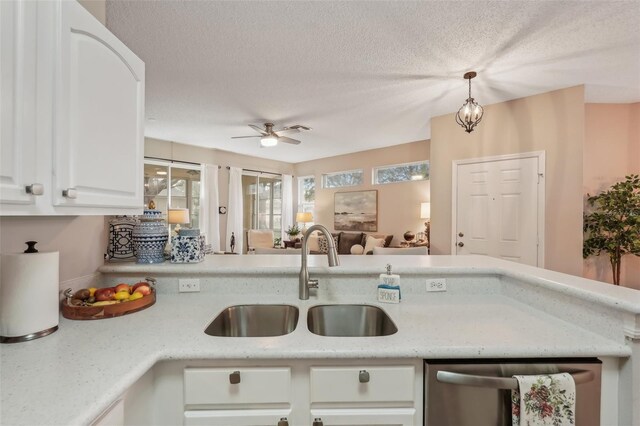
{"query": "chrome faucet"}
{"type": "Point", "coordinates": [304, 282]}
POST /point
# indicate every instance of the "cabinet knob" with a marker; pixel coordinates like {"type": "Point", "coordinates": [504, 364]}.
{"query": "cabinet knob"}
{"type": "Point", "coordinates": [34, 189]}
{"type": "Point", "coordinates": [283, 422]}
{"type": "Point", "coordinates": [460, 244]}
{"type": "Point", "coordinates": [317, 422]}
{"type": "Point", "coordinates": [234, 378]}
{"type": "Point", "coordinates": [363, 376]}
{"type": "Point", "coordinates": [70, 193]}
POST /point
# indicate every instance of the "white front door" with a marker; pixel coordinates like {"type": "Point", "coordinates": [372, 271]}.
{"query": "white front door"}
{"type": "Point", "coordinates": [498, 207]}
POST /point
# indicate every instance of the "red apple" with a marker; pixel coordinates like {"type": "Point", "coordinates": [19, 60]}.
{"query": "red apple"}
{"type": "Point", "coordinates": [103, 294]}
{"type": "Point", "coordinates": [138, 284]}
{"type": "Point", "coordinates": [123, 287]}
{"type": "Point", "coordinates": [143, 289]}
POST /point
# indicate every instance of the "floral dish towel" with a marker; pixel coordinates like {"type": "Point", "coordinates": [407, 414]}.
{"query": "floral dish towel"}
{"type": "Point", "coordinates": [546, 399]}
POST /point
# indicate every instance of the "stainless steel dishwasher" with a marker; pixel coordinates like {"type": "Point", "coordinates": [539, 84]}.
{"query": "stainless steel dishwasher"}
{"type": "Point", "coordinates": [478, 392]}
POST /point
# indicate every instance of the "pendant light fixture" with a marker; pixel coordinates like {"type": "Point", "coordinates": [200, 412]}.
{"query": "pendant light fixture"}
{"type": "Point", "coordinates": [471, 112]}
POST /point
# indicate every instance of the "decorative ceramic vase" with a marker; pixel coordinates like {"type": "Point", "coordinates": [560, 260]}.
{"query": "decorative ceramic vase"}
{"type": "Point", "coordinates": [187, 246]}
{"type": "Point", "coordinates": [121, 238]}
{"type": "Point", "coordinates": [150, 237]}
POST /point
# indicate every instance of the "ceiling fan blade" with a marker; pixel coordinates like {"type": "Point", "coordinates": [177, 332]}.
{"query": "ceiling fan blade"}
{"type": "Point", "coordinates": [258, 129]}
{"type": "Point", "coordinates": [286, 130]}
{"type": "Point", "coordinates": [288, 140]}
{"type": "Point", "coordinates": [241, 137]}
{"type": "Point", "coordinates": [298, 127]}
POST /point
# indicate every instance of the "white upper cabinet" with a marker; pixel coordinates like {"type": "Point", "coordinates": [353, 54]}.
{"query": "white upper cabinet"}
{"type": "Point", "coordinates": [87, 151]}
{"type": "Point", "coordinates": [18, 103]}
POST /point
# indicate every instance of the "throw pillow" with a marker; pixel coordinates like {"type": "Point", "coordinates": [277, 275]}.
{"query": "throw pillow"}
{"type": "Point", "coordinates": [313, 243]}
{"type": "Point", "coordinates": [387, 238]}
{"type": "Point", "coordinates": [357, 249]}
{"type": "Point", "coordinates": [348, 240]}
{"type": "Point", "coordinates": [371, 243]}
{"type": "Point", "coordinates": [323, 244]}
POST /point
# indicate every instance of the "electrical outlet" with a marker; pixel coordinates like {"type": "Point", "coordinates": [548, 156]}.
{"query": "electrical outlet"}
{"type": "Point", "coordinates": [188, 285]}
{"type": "Point", "coordinates": [436, 284]}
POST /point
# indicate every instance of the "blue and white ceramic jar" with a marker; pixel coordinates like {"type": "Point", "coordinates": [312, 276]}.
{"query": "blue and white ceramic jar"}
{"type": "Point", "coordinates": [150, 237]}
{"type": "Point", "coordinates": [121, 238]}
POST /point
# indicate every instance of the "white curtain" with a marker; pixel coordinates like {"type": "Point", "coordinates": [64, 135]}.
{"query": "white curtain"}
{"type": "Point", "coordinates": [209, 204]}
{"type": "Point", "coordinates": [234, 210]}
{"type": "Point", "coordinates": [287, 203]}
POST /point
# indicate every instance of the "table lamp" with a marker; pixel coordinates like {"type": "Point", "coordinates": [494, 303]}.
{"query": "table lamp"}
{"type": "Point", "coordinates": [178, 217]}
{"type": "Point", "coordinates": [425, 213]}
{"type": "Point", "coordinates": [304, 217]}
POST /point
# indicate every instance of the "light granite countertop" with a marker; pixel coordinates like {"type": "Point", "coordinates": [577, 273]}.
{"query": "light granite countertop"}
{"type": "Point", "coordinates": [71, 376]}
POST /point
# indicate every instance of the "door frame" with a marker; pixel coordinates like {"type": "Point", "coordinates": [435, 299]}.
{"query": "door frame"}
{"type": "Point", "coordinates": [540, 155]}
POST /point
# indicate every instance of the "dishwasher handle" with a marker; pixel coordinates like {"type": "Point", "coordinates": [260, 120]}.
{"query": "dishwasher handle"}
{"type": "Point", "coordinates": [583, 376]}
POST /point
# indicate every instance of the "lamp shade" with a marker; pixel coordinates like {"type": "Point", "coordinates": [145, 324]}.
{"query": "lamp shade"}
{"type": "Point", "coordinates": [178, 216]}
{"type": "Point", "coordinates": [425, 210]}
{"type": "Point", "coordinates": [304, 217]}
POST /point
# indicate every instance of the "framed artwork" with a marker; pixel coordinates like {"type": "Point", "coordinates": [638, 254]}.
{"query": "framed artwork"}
{"type": "Point", "coordinates": [356, 211]}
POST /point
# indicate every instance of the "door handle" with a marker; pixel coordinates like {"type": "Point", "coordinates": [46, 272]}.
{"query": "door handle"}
{"type": "Point", "coordinates": [583, 376]}
{"type": "Point", "coordinates": [460, 244]}
{"type": "Point", "coordinates": [460, 234]}
{"type": "Point", "coordinates": [234, 378]}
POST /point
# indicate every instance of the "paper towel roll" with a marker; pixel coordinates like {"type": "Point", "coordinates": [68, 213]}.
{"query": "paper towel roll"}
{"type": "Point", "coordinates": [29, 301]}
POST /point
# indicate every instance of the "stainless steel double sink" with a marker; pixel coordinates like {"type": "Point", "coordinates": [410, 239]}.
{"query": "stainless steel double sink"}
{"type": "Point", "coordinates": [323, 320]}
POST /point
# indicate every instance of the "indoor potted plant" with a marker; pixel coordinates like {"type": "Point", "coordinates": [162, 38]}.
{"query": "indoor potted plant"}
{"type": "Point", "coordinates": [612, 226]}
{"type": "Point", "coordinates": [293, 231]}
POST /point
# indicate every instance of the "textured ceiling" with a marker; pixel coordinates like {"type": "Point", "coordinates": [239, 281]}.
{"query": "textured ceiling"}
{"type": "Point", "coordinates": [363, 74]}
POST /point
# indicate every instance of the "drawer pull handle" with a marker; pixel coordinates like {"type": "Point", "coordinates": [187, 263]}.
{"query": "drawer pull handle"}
{"type": "Point", "coordinates": [283, 422]}
{"type": "Point", "coordinates": [317, 422]}
{"type": "Point", "coordinates": [234, 378]}
{"type": "Point", "coordinates": [363, 376]}
{"type": "Point", "coordinates": [34, 189]}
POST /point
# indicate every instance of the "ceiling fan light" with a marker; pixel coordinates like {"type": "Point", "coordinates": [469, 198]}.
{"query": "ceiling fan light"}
{"type": "Point", "coordinates": [268, 141]}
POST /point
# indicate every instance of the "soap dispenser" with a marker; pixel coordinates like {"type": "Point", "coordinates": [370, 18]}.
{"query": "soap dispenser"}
{"type": "Point", "coordinates": [389, 287]}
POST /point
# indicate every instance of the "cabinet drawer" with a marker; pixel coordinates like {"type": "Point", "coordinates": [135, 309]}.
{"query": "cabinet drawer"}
{"type": "Point", "coordinates": [343, 384]}
{"type": "Point", "coordinates": [212, 386]}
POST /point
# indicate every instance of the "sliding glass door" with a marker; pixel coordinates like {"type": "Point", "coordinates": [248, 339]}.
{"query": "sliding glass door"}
{"type": "Point", "coordinates": [262, 201]}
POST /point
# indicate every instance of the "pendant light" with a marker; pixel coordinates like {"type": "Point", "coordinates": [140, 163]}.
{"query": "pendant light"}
{"type": "Point", "coordinates": [471, 112]}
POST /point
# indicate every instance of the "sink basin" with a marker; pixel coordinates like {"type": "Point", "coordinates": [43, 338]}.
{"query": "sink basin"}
{"type": "Point", "coordinates": [349, 321]}
{"type": "Point", "coordinates": [254, 321]}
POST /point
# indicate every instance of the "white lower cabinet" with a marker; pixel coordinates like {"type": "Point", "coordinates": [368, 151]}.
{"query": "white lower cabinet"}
{"type": "Point", "coordinates": [237, 396]}
{"type": "Point", "coordinates": [243, 417]}
{"type": "Point", "coordinates": [278, 393]}
{"type": "Point", "coordinates": [363, 417]}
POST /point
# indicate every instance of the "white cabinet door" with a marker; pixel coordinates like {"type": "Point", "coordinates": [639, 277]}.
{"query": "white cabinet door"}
{"type": "Point", "coordinates": [98, 115]}
{"type": "Point", "coordinates": [235, 417]}
{"type": "Point", "coordinates": [18, 167]}
{"type": "Point", "coordinates": [364, 417]}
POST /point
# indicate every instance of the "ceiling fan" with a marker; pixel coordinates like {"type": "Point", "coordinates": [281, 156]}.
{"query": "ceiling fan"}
{"type": "Point", "coordinates": [269, 137]}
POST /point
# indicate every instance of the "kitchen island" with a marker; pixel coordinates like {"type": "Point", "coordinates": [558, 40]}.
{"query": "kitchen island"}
{"type": "Point", "coordinates": [491, 309]}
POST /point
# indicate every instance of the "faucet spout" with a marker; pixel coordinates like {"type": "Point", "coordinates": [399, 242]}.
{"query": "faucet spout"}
{"type": "Point", "coordinates": [332, 256]}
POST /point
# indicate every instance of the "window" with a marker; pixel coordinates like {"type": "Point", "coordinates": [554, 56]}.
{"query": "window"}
{"type": "Point", "coordinates": [401, 172]}
{"type": "Point", "coordinates": [340, 179]}
{"type": "Point", "coordinates": [183, 192]}
{"type": "Point", "coordinates": [307, 195]}
{"type": "Point", "coordinates": [262, 201]}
